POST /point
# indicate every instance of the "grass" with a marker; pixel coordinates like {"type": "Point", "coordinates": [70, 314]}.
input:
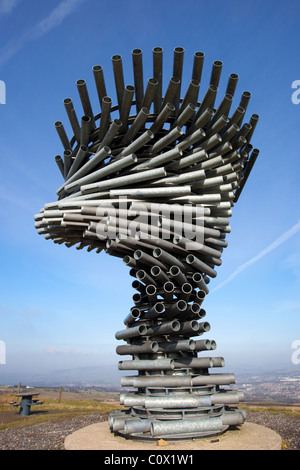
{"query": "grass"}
{"type": "Point", "coordinates": [55, 410]}
{"type": "Point", "coordinates": [274, 411]}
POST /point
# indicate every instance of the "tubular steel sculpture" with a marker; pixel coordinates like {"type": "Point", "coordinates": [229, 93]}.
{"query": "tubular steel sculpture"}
{"type": "Point", "coordinates": [153, 181]}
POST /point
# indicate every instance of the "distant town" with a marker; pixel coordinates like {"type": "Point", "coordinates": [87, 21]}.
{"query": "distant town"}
{"type": "Point", "coordinates": [275, 387]}
{"type": "Point", "coordinates": [269, 387]}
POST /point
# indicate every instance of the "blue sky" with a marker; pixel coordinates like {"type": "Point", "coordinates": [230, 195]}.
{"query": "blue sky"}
{"type": "Point", "coordinates": [60, 307]}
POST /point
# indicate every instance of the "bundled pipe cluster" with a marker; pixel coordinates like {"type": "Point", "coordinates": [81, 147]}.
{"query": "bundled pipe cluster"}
{"type": "Point", "coordinates": [153, 180]}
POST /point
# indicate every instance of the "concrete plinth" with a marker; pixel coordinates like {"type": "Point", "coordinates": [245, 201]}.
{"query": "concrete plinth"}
{"type": "Point", "coordinates": [249, 436]}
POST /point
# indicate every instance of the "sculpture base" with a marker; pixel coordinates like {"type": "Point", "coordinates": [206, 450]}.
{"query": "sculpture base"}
{"type": "Point", "coordinates": [249, 436]}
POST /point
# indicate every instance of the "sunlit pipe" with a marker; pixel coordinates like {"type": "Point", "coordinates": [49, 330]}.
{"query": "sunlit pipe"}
{"type": "Point", "coordinates": [164, 329]}
{"type": "Point", "coordinates": [208, 143]}
{"type": "Point", "coordinates": [181, 345]}
{"type": "Point", "coordinates": [176, 309]}
{"type": "Point", "coordinates": [168, 291]}
{"type": "Point", "coordinates": [194, 362]}
{"type": "Point", "coordinates": [184, 162]}
{"type": "Point", "coordinates": [85, 101]}
{"type": "Point", "coordinates": [137, 61]}
{"type": "Point", "coordinates": [60, 164]}
{"type": "Point", "coordinates": [190, 426]}
{"type": "Point", "coordinates": [223, 108]}
{"type": "Point", "coordinates": [167, 258]}
{"type": "Point", "coordinates": [120, 181]}
{"type": "Point", "coordinates": [208, 100]}
{"type": "Point", "coordinates": [202, 121]}
{"type": "Point", "coordinates": [152, 192]}
{"type": "Point", "coordinates": [150, 93]}
{"type": "Point", "coordinates": [229, 133]}
{"type": "Point", "coordinates": [176, 274]}
{"type": "Point", "coordinates": [132, 316]}
{"type": "Point", "coordinates": [162, 118]}
{"type": "Point", "coordinates": [155, 311]}
{"type": "Point", "coordinates": [137, 144]}
{"type": "Point", "coordinates": [148, 347]}
{"type": "Point", "coordinates": [135, 127]}
{"type": "Point", "coordinates": [173, 86]}
{"type": "Point", "coordinates": [245, 98]}
{"type": "Point", "coordinates": [137, 426]}
{"type": "Point", "coordinates": [177, 72]}
{"type": "Point", "coordinates": [225, 397]}
{"type": "Point", "coordinates": [204, 345]}
{"type": "Point", "coordinates": [166, 209]}
{"type": "Point", "coordinates": [248, 169]}
{"type": "Point", "coordinates": [176, 380]}
{"type": "Point", "coordinates": [198, 65]}
{"type": "Point", "coordinates": [78, 161]}
{"type": "Point", "coordinates": [102, 172]}
{"type": "Point", "coordinates": [67, 162]}
{"type": "Point", "coordinates": [145, 258]}
{"type": "Point", "coordinates": [85, 130]}
{"type": "Point", "coordinates": [145, 278]}
{"type": "Point", "coordinates": [158, 75]}
{"type": "Point", "coordinates": [161, 159]}
{"type": "Point", "coordinates": [114, 128]}
{"type": "Point", "coordinates": [76, 176]}
{"type": "Point", "coordinates": [216, 73]}
{"type": "Point", "coordinates": [253, 122]}
{"type": "Point", "coordinates": [159, 274]}
{"type": "Point", "coordinates": [159, 242]}
{"type": "Point", "coordinates": [126, 106]}
{"type": "Point", "coordinates": [151, 293]}
{"type": "Point", "coordinates": [186, 291]}
{"type": "Point", "coordinates": [244, 131]}
{"type": "Point", "coordinates": [133, 332]}
{"type": "Point", "coordinates": [175, 401]}
{"type": "Point", "coordinates": [192, 139]}
{"type": "Point", "coordinates": [166, 140]}
{"type": "Point", "coordinates": [72, 118]}
{"type": "Point", "coordinates": [191, 95]}
{"type": "Point", "coordinates": [147, 364]}
{"type": "Point", "coordinates": [217, 127]}
{"type": "Point", "coordinates": [62, 135]}
{"type": "Point", "coordinates": [186, 115]}
{"type": "Point", "coordinates": [119, 78]}
{"type": "Point", "coordinates": [182, 178]}
{"type": "Point", "coordinates": [100, 84]}
{"type": "Point", "coordinates": [237, 117]}
{"type": "Point", "coordinates": [232, 83]}
{"type": "Point", "coordinates": [105, 117]}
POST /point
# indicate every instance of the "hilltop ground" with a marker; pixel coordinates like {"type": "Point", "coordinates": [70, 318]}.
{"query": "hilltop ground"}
{"type": "Point", "coordinates": [47, 426]}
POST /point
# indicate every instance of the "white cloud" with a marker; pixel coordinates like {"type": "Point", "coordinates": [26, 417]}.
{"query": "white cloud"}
{"type": "Point", "coordinates": [55, 18]}
{"type": "Point", "coordinates": [70, 351]}
{"type": "Point", "coordinates": [7, 6]}
{"type": "Point", "coordinates": [279, 241]}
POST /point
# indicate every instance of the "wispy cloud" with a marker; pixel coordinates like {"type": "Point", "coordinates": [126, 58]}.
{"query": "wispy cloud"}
{"type": "Point", "coordinates": [73, 352]}
{"type": "Point", "coordinates": [54, 19]}
{"type": "Point", "coordinates": [7, 6]}
{"type": "Point", "coordinates": [279, 241]}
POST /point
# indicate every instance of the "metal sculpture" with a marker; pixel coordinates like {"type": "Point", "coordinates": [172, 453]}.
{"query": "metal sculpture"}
{"type": "Point", "coordinates": [153, 180]}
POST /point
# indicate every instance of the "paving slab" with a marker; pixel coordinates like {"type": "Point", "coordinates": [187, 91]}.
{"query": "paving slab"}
{"type": "Point", "coordinates": [249, 436]}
